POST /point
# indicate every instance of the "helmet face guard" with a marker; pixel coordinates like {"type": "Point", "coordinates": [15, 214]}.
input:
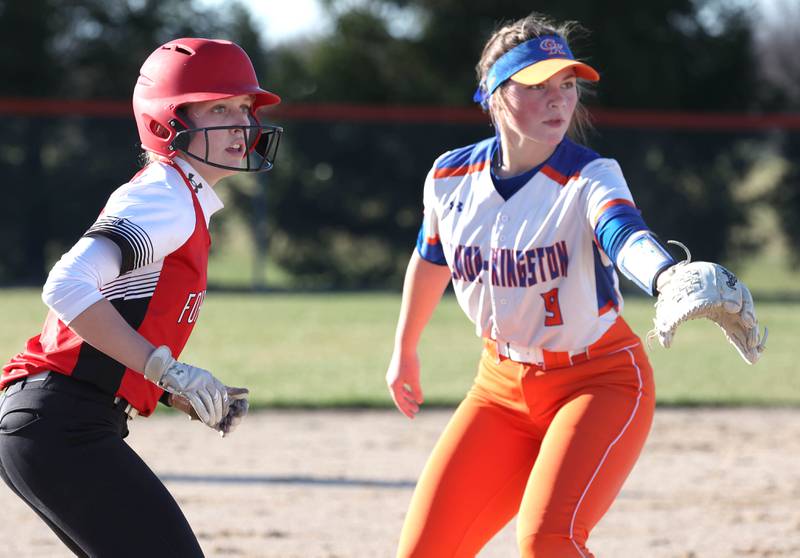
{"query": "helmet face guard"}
{"type": "Point", "coordinates": [259, 149]}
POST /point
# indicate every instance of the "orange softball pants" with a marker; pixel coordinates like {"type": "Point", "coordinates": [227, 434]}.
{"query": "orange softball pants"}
{"type": "Point", "coordinates": [553, 445]}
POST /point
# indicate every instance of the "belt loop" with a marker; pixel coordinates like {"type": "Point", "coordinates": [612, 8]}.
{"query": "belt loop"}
{"type": "Point", "coordinates": [496, 351]}
{"type": "Point", "coordinates": [548, 359]}
{"type": "Point", "coordinates": [123, 405]}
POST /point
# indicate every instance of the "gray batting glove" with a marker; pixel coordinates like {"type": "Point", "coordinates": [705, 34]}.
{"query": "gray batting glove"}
{"type": "Point", "coordinates": [207, 395]}
{"type": "Point", "coordinates": [236, 412]}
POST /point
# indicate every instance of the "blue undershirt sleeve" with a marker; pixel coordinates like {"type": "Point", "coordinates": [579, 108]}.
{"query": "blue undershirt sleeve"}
{"type": "Point", "coordinates": [615, 226]}
{"type": "Point", "coordinates": [641, 263]}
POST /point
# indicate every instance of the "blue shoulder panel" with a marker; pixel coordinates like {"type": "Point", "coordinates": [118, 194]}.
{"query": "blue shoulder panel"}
{"type": "Point", "coordinates": [464, 157]}
{"type": "Point", "coordinates": [569, 158]}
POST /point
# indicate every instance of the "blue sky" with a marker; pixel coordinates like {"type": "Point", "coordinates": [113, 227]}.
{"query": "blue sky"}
{"type": "Point", "coordinates": [282, 20]}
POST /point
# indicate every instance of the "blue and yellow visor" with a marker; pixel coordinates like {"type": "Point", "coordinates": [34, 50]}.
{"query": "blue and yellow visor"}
{"type": "Point", "coordinates": [531, 63]}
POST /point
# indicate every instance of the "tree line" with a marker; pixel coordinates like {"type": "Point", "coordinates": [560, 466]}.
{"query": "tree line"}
{"type": "Point", "coordinates": [343, 204]}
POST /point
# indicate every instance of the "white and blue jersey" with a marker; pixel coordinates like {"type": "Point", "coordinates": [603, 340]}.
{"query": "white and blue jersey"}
{"type": "Point", "coordinates": [531, 266]}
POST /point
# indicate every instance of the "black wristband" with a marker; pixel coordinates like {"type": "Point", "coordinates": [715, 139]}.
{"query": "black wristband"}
{"type": "Point", "coordinates": [657, 275]}
{"type": "Point", "coordinates": [164, 399]}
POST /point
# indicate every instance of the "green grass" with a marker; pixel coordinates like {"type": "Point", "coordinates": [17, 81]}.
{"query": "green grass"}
{"type": "Point", "coordinates": [332, 349]}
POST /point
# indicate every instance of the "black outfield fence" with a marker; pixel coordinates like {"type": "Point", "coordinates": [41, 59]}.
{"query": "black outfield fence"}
{"type": "Point", "coordinates": [342, 207]}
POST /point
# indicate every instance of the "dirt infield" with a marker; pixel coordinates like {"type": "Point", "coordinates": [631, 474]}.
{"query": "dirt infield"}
{"type": "Point", "coordinates": [291, 484]}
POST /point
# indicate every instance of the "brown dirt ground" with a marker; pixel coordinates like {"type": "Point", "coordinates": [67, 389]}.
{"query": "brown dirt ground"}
{"type": "Point", "coordinates": [710, 483]}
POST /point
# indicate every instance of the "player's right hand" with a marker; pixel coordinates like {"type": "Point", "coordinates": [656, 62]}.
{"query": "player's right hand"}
{"type": "Point", "coordinates": [207, 395]}
{"type": "Point", "coordinates": [238, 409]}
{"type": "Point", "coordinates": [402, 377]}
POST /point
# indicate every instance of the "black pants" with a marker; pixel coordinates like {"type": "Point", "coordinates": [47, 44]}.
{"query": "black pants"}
{"type": "Point", "coordinates": [62, 451]}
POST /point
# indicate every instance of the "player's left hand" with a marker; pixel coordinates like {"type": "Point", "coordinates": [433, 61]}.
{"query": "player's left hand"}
{"type": "Point", "coordinates": [690, 290]}
{"type": "Point", "coordinates": [236, 412]}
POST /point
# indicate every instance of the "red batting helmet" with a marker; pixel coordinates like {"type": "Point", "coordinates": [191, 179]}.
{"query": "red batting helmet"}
{"type": "Point", "coordinates": [193, 70]}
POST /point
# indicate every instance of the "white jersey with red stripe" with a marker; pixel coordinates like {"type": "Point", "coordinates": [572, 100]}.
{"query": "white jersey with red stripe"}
{"type": "Point", "coordinates": [528, 271]}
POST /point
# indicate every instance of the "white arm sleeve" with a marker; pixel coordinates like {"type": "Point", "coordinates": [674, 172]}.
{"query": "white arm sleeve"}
{"type": "Point", "coordinates": [75, 281]}
{"type": "Point", "coordinates": [642, 258]}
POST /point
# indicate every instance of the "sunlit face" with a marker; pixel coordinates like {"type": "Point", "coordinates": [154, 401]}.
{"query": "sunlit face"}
{"type": "Point", "coordinates": [541, 113]}
{"type": "Point", "coordinates": [226, 147]}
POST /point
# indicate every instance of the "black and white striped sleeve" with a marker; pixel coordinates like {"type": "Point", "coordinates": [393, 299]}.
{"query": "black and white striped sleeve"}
{"type": "Point", "coordinates": [146, 221]}
{"type": "Point", "coordinates": [133, 241]}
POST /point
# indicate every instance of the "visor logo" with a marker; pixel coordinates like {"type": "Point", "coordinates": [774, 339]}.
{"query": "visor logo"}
{"type": "Point", "coordinates": [552, 47]}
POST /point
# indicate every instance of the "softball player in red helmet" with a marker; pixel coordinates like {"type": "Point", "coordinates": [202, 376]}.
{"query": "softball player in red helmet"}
{"type": "Point", "coordinates": [123, 302]}
{"type": "Point", "coordinates": [527, 226]}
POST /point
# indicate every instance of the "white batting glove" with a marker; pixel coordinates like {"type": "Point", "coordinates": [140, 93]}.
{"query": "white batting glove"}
{"type": "Point", "coordinates": [207, 395]}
